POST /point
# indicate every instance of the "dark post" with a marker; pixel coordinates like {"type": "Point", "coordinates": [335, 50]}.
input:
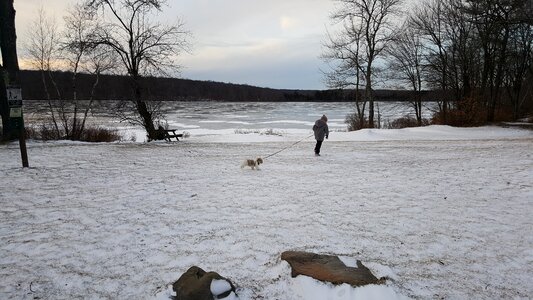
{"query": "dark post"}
{"type": "Point", "coordinates": [11, 104]}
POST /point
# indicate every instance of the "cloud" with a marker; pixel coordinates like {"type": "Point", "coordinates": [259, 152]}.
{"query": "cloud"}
{"type": "Point", "coordinates": [287, 23]}
{"type": "Point", "coordinates": [256, 53]}
{"type": "Point", "coordinates": [275, 63]}
{"type": "Point", "coordinates": [295, 74]}
{"type": "Point", "coordinates": [238, 39]}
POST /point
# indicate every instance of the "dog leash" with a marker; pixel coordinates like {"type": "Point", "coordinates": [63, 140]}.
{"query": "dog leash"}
{"type": "Point", "coordinates": [305, 138]}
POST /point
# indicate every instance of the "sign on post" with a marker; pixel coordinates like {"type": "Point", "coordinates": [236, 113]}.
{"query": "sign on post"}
{"type": "Point", "coordinates": [14, 100]}
{"type": "Point", "coordinates": [14, 96]}
{"type": "Point", "coordinates": [15, 112]}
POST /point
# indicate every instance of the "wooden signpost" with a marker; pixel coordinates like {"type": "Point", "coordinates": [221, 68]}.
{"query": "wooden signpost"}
{"type": "Point", "coordinates": [14, 99]}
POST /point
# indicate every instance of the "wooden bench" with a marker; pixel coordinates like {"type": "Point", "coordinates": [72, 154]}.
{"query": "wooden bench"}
{"type": "Point", "coordinates": [171, 133]}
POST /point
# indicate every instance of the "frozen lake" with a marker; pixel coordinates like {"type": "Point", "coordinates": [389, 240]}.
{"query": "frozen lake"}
{"type": "Point", "coordinates": [201, 118]}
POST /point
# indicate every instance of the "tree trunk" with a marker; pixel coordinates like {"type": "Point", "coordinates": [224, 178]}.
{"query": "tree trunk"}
{"type": "Point", "coordinates": [368, 96]}
{"type": "Point", "coordinates": [502, 62]}
{"type": "Point", "coordinates": [419, 111]}
{"type": "Point", "coordinates": [50, 106]}
{"type": "Point", "coordinates": [143, 111]}
{"type": "Point", "coordinates": [8, 44]}
{"type": "Point", "coordinates": [4, 107]}
{"type": "Point", "coordinates": [360, 110]}
{"type": "Point", "coordinates": [74, 129]}
{"type": "Point", "coordinates": [91, 100]}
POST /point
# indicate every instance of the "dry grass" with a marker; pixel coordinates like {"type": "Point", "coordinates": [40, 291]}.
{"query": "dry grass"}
{"type": "Point", "coordinates": [89, 134]}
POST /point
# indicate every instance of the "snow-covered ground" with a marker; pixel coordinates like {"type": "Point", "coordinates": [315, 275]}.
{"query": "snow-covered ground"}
{"type": "Point", "coordinates": [443, 212]}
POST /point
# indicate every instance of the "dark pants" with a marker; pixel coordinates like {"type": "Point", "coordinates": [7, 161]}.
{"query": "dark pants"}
{"type": "Point", "coordinates": [317, 147]}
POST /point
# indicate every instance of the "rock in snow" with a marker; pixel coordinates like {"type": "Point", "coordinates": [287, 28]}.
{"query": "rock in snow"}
{"type": "Point", "coordinates": [196, 284]}
{"type": "Point", "coordinates": [328, 268]}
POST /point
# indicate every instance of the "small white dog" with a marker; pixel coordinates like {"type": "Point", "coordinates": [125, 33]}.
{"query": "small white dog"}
{"type": "Point", "coordinates": [254, 164]}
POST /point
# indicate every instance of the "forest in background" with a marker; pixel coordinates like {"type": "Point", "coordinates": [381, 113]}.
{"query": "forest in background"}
{"type": "Point", "coordinates": [118, 87]}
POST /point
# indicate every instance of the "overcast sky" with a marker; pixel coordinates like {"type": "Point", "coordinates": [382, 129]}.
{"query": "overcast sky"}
{"type": "Point", "coordinates": [269, 43]}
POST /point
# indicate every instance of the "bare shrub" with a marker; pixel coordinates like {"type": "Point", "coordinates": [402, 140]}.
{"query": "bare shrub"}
{"type": "Point", "coordinates": [47, 132]}
{"type": "Point", "coordinates": [43, 132]}
{"type": "Point", "coordinates": [467, 112]}
{"type": "Point", "coordinates": [405, 122]}
{"type": "Point", "coordinates": [354, 122]}
{"type": "Point", "coordinates": [99, 135]}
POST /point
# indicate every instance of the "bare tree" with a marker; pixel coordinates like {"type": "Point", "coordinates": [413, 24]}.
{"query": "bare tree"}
{"type": "Point", "coordinates": [495, 22]}
{"type": "Point", "coordinates": [98, 62]}
{"type": "Point", "coordinates": [371, 19]}
{"type": "Point", "coordinates": [343, 53]}
{"type": "Point", "coordinates": [407, 56]}
{"type": "Point", "coordinates": [80, 53]}
{"type": "Point", "coordinates": [142, 45]}
{"type": "Point", "coordinates": [476, 50]}
{"type": "Point", "coordinates": [42, 50]}
{"type": "Point", "coordinates": [430, 20]}
{"type": "Point", "coordinates": [72, 50]}
{"type": "Point", "coordinates": [520, 67]}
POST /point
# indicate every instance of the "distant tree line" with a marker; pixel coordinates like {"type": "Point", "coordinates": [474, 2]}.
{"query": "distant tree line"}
{"type": "Point", "coordinates": [117, 87]}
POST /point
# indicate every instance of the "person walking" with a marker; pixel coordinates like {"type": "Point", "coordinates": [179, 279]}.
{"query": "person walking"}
{"type": "Point", "coordinates": [321, 130]}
